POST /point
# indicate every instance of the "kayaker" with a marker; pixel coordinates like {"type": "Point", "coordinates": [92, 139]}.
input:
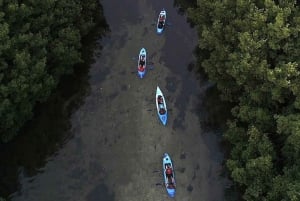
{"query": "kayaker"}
{"type": "Point", "coordinates": [161, 18]}
{"type": "Point", "coordinates": [162, 111]}
{"type": "Point", "coordinates": [169, 172]}
{"type": "Point", "coordinates": [160, 24]}
{"type": "Point", "coordinates": [141, 68]}
{"type": "Point", "coordinates": [171, 185]}
{"type": "Point", "coordinates": [159, 99]}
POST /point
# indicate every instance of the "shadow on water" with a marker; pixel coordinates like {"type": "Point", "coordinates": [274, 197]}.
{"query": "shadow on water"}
{"type": "Point", "coordinates": [216, 110]}
{"type": "Point", "coordinates": [214, 113]}
{"type": "Point", "coordinates": [183, 5]}
{"type": "Point", "coordinates": [50, 127]}
{"type": "Point", "coordinates": [214, 118]}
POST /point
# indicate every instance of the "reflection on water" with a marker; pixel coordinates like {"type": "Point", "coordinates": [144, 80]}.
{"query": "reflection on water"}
{"type": "Point", "coordinates": [50, 127]}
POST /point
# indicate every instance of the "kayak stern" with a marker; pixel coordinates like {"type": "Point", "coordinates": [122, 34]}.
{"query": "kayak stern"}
{"type": "Point", "coordinates": [171, 192]}
{"type": "Point", "coordinates": [141, 74]}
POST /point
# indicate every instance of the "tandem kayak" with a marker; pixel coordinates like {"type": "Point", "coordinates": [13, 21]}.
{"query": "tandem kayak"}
{"type": "Point", "coordinates": [142, 62]}
{"type": "Point", "coordinates": [169, 175]}
{"type": "Point", "coordinates": [161, 21]}
{"type": "Point", "coordinates": [161, 106]}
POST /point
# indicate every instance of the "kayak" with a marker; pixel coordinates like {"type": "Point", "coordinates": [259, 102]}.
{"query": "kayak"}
{"type": "Point", "coordinates": [142, 63]}
{"type": "Point", "coordinates": [161, 21]}
{"type": "Point", "coordinates": [169, 176]}
{"type": "Point", "coordinates": [161, 106]}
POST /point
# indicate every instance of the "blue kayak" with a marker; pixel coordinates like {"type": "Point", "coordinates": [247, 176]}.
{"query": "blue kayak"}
{"type": "Point", "coordinates": [169, 175]}
{"type": "Point", "coordinates": [161, 106]}
{"type": "Point", "coordinates": [142, 62]}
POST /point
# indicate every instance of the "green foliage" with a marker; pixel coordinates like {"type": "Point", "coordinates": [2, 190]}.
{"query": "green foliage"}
{"type": "Point", "coordinates": [251, 164]}
{"type": "Point", "coordinates": [39, 42]}
{"type": "Point", "coordinates": [289, 127]}
{"type": "Point", "coordinates": [286, 187]}
{"type": "Point", "coordinates": [251, 53]}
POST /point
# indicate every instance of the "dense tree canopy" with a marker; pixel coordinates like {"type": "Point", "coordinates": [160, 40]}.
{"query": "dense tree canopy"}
{"type": "Point", "coordinates": [39, 42]}
{"type": "Point", "coordinates": [251, 52]}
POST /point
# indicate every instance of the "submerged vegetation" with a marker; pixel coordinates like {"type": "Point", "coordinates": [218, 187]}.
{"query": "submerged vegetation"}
{"type": "Point", "coordinates": [40, 42]}
{"type": "Point", "coordinates": [250, 50]}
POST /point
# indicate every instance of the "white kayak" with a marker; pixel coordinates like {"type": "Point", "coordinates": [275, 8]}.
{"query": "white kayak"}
{"type": "Point", "coordinates": [161, 21]}
{"type": "Point", "coordinates": [161, 106]}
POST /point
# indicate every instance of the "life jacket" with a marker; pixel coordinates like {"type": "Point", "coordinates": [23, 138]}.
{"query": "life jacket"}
{"type": "Point", "coordinates": [141, 68]}
{"type": "Point", "coordinates": [161, 18]}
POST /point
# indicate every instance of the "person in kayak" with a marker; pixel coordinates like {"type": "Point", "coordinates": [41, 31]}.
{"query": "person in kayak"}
{"type": "Point", "coordinates": [161, 18]}
{"type": "Point", "coordinates": [169, 172]}
{"type": "Point", "coordinates": [171, 185]}
{"type": "Point", "coordinates": [142, 63]}
{"type": "Point", "coordinates": [160, 99]}
{"type": "Point", "coordinates": [141, 68]}
{"type": "Point", "coordinates": [161, 21]}
{"type": "Point", "coordinates": [142, 60]}
{"type": "Point", "coordinates": [162, 111]}
{"type": "Point", "coordinates": [161, 24]}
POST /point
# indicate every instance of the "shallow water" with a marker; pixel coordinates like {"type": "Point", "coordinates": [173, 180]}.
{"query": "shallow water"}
{"type": "Point", "coordinates": [113, 145]}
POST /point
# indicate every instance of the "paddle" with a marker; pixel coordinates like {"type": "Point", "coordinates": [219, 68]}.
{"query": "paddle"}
{"type": "Point", "coordinates": [169, 110]}
{"type": "Point", "coordinates": [148, 62]}
{"type": "Point", "coordinates": [160, 184]}
{"type": "Point", "coordinates": [167, 23]}
{"type": "Point", "coordinates": [149, 67]}
{"type": "Point", "coordinates": [181, 170]}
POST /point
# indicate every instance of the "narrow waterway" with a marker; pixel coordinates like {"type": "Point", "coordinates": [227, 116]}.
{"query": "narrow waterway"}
{"type": "Point", "coordinates": [112, 148]}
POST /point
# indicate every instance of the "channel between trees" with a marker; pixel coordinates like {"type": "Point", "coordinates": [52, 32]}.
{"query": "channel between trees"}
{"type": "Point", "coordinates": [248, 49]}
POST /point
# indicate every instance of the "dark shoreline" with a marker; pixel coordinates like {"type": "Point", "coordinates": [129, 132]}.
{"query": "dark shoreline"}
{"type": "Point", "coordinates": [48, 130]}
